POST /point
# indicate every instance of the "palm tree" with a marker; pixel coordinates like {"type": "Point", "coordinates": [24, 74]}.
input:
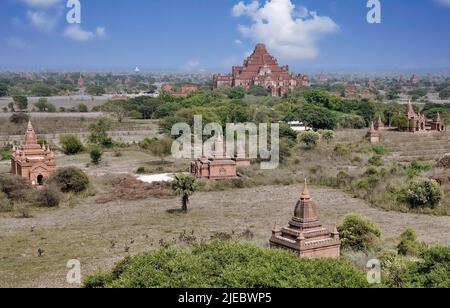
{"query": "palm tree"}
{"type": "Point", "coordinates": [184, 186]}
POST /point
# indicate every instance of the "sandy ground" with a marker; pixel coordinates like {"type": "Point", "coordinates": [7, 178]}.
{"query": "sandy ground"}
{"type": "Point", "coordinates": [98, 234]}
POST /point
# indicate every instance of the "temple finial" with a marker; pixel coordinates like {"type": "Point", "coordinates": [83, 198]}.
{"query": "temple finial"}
{"type": "Point", "coordinates": [305, 193]}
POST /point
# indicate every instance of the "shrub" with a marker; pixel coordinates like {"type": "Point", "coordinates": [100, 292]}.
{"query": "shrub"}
{"type": "Point", "coordinates": [409, 245]}
{"type": "Point", "coordinates": [358, 233]}
{"type": "Point", "coordinates": [376, 161]}
{"type": "Point", "coordinates": [352, 121]}
{"type": "Point", "coordinates": [343, 149]}
{"type": "Point", "coordinates": [43, 105]}
{"type": "Point", "coordinates": [310, 139]}
{"type": "Point", "coordinates": [430, 270]}
{"type": "Point", "coordinates": [82, 108]}
{"type": "Point", "coordinates": [70, 179]}
{"type": "Point", "coordinates": [227, 264]}
{"type": "Point", "coordinates": [158, 147]}
{"type": "Point", "coordinates": [424, 194]}
{"type": "Point", "coordinates": [48, 196]}
{"type": "Point", "coordinates": [327, 135]}
{"type": "Point", "coordinates": [71, 145]}
{"type": "Point", "coordinates": [5, 153]}
{"type": "Point", "coordinates": [96, 155]}
{"type": "Point", "coordinates": [15, 188]}
{"type": "Point", "coordinates": [379, 150]}
{"type": "Point", "coordinates": [416, 168]}
{"type": "Point", "coordinates": [5, 204]}
{"type": "Point", "coordinates": [141, 170]}
{"type": "Point", "coordinates": [19, 118]}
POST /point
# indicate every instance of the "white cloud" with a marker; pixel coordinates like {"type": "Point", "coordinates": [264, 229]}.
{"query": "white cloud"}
{"type": "Point", "coordinates": [288, 31]}
{"type": "Point", "coordinates": [191, 65]}
{"type": "Point", "coordinates": [42, 20]}
{"type": "Point", "coordinates": [238, 42]}
{"type": "Point", "coordinates": [41, 3]}
{"type": "Point", "coordinates": [76, 33]}
{"type": "Point", "coordinates": [17, 43]}
{"type": "Point", "coordinates": [444, 2]}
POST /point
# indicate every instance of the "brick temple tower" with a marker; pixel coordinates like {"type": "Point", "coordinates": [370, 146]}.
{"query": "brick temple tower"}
{"type": "Point", "coordinates": [261, 69]}
{"type": "Point", "coordinates": [305, 235]}
{"type": "Point", "coordinates": [31, 160]}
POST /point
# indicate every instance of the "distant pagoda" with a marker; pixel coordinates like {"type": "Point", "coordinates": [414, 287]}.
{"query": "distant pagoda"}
{"type": "Point", "coordinates": [305, 235]}
{"type": "Point", "coordinates": [261, 69]}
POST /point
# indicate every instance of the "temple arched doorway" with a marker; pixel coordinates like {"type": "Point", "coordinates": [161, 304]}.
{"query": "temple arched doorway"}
{"type": "Point", "coordinates": [40, 180]}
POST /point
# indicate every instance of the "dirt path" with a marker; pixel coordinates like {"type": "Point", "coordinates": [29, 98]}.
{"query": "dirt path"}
{"type": "Point", "coordinates": [98, 235]}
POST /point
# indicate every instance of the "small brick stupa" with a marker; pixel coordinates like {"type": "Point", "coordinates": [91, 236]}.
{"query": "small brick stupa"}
{"type": "Point", "coordinates": [373, 135]}
{"type": "Point", "coordinates": [217, 167]}
{"type": "Point", "coordinates": [305, 235]}
{"type": "Point", "coordinates": [31, 160]}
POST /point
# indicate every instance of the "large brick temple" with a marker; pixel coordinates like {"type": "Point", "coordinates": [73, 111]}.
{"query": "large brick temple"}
{"type": "Point", "coordinates": [261, 69]}
{"type": "Point", "coordinates": [305, 235]}
{"type": "Point", "coordinates": [31, 160]}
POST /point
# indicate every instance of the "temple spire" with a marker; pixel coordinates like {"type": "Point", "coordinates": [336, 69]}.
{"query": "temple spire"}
{"type": "Point", "coordinates": [305, 194]}
{"type": "Point", "coordinates": [30, 135]}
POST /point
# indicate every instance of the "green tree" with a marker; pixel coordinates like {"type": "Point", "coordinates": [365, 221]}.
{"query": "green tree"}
{"type": "Point", "coordinates": [316, 117]}
{"type": "Point", "coordinates": [310, 139]}
{"type": "Point", "coordinates": [71, 144]}
{"type": "Point", "coordinates": [42, 90]}
{"type": "Point", "coordinates": [358, 233]}
{"type": "Point", "coordinates": [258, 91]}
{"type": "Point", "coordinates": [96, 154]}
{"type": "Point", "coordinates": [400, 121]}
{"type": "Point", "coordinates": [235, 93]}
{"type": "Point", "coordinates": [3, 90]}
{"type": "Point", "coordinates": [445, 93]}
{"type": "Point", "coordinates": [43, 105]}
{"type": "Point", "coordinates": [21, 102]}
{"type": "Point", "coordinates": [95, 90]}
{"type": "Point", "coordinates": [185, 187]}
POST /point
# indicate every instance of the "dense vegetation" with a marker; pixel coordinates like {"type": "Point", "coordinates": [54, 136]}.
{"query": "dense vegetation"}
{"type": "Point", "coordinates": [227, 264]}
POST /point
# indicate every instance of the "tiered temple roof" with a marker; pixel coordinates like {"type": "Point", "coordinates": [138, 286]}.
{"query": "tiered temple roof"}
{"type": "Point", "coordinates": [261, 69]}
{"type": "Point", "coordinates": [32, 160]}
{"type": "Point", "coordinates": [305, 234]}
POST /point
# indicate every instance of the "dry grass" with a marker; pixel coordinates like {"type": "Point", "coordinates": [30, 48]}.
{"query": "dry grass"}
{"type": "Point", "coordinates": [97, 235]}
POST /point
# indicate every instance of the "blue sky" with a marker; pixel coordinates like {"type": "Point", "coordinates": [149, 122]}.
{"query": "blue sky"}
{"type": "Point", "coordinates": [212, 35]}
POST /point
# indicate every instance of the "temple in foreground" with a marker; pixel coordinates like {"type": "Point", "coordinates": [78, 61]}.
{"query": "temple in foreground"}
{"type": "Point", "coordinates": [261, 69]}
{"type": "Point", "coordinates": [31, 160]}
{"type": "Point", "coordinates": [305, 235]}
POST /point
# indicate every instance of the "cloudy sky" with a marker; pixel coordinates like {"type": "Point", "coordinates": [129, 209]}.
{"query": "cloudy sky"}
{"type": "Point", "coordinates": [195, 35]}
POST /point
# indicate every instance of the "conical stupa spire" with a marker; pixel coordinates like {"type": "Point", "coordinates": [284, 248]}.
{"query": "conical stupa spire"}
{"type": "Point", "coordinates": [305, 194]}
{"type": "Point", "coordinates": [372, 127]}
{"type": "Point", "coordinates": [30, 135]}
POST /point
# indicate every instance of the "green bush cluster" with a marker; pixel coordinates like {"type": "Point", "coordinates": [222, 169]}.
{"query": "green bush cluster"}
{"type": "Point", "coordinates": [227, 264]}
{"type": "Point", "coordinates": [70, 179]}
{"type": "Point", "coordinates": [358, 233]}
{"type": "Point", "coordinates": [431, 269]}
{"type": "Point", "coordinates": [71, 144]}
{"type": "Point", "coordinates": [424, 194]}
